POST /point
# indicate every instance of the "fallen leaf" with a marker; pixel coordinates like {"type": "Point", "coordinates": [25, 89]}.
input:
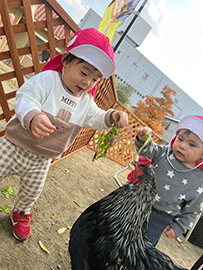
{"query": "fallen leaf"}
{"type": "Point", "coordinates": [62, 230]}
{"type": "Point", "coordinates": [69, 227]}
{"type": "Point", "coordinates": [8, 191]}
{"type": "Point", "coordinates": [43, 247]}
{"type": "Point", "coordinates": [5, 210]}
{"type": "Point", "coordinates": [54, 216]}
{"type": "Point", "coordinates": [76, 201]}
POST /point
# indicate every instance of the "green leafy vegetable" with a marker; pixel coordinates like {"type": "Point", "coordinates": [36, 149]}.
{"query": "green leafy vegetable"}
{"type": "Point", "coordinates": [106, 141]}
{"type": "Point", "coordinates": [5, 210]}
{"type": "Point", "coordinates": [137, 153]}
{"type": "Point", "coordinates": [145, 143]}
{"type": "Point", "coordinates": [8, 191]}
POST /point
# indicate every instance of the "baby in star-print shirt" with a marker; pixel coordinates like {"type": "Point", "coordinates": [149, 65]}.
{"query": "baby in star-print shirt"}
{"type": "Point", "coordinates": [179, 170]}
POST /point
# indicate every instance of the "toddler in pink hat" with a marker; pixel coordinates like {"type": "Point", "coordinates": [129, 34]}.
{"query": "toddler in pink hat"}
{"type": "Point", "coordinates": [50, 110]}
{"type": "Point", "coordinates": [179, 171]}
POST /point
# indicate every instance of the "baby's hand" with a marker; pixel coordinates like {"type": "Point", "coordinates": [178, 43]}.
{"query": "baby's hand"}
{"type": "Point", "coordinates": [141, 132]}
{"type": "Point", "coordinates": [123, 121]}
{"type": "Point", "coordinates": [169, 232]}
{"type": "Point", "coordinates": [41, 126]}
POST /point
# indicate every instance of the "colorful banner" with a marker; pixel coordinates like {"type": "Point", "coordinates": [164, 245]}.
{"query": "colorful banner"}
{"type": "Point", "coordinates": [116, 12]}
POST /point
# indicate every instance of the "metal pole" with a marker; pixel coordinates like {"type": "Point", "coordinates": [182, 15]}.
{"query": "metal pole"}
{"type": "Point", "coordinates": [129, 26]}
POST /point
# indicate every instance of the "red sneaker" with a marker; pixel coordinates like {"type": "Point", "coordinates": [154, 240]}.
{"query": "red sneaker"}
{"type": "Point", "coordinates": [21, 225]}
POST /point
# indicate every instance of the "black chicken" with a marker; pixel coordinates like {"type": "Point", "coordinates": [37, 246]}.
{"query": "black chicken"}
{"type": "Point", "coordinates": [111, 233]}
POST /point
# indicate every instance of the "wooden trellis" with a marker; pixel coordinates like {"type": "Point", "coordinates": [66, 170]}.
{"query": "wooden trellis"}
{"type": "Point", "coordinates": [42, 27]}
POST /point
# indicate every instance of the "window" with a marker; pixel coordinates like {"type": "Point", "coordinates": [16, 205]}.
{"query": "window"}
{"type": "Point", "coordinates": [133, 67]}
{"type": "Point", "coordinates": [175, 102]}
{"type": "Point", "coordinates": [145, 76]}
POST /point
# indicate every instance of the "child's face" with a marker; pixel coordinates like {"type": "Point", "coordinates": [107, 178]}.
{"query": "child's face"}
{"type": "Point", "coordinates": [80, 77]}
{"type": "Point", "coordinates": [188, 148]}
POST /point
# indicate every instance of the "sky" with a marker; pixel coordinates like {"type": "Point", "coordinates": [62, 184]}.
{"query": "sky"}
{"type": "Point", "coordinates": [175, 46]}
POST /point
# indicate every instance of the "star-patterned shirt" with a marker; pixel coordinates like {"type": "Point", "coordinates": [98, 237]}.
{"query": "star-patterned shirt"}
{"type": "Point", "coordinates": [180, 194]}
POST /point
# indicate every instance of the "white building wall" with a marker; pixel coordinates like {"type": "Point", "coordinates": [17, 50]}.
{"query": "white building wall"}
{"type": "Point", "coordinates": [137, 32]}
{"type": "Point", "coordinates": [91, 19]}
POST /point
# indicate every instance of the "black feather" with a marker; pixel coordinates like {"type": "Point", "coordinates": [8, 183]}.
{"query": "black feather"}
{"type": "Point", "coordinates": [111, 233]}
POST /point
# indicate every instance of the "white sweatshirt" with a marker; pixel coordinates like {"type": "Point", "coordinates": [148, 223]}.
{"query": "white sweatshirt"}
{"type": "Point", "coordinates": [45, 93]}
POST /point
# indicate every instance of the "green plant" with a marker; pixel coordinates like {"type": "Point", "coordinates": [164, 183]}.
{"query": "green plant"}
{"type": "Point", "coordinates": [106, 141]}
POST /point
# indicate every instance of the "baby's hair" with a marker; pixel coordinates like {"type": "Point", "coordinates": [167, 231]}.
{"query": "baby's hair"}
{"type": "Point", "coordinates": [70, 57]}
{"type": "Point", "coordinates": [187, 131]}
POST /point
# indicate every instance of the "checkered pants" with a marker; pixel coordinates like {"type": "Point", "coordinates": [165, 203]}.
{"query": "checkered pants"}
{"type": "Point", "coordinates": [32, 169]}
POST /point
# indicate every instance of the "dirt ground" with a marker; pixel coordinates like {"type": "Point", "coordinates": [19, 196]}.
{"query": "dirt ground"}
{"type": "Point", "coordinates": [86, 181]}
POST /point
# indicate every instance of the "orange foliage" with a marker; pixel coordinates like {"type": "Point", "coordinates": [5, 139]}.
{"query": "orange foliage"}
{"type": "Point", "coordinates": [154, 110]}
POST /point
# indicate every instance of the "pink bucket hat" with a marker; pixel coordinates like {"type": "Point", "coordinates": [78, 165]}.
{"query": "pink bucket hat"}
{"type": "Point", "coordinates": [93, 47]}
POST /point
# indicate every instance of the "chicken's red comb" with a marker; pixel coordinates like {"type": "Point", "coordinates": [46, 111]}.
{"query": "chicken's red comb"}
{"type": "Point", "coordinates": [133, 176]}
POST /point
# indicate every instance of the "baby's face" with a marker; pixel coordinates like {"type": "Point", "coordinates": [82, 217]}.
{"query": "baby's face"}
{"type": "Point", "coordinates": [80, 77]}
{"type": "Point", "coordinates": [188, 148]}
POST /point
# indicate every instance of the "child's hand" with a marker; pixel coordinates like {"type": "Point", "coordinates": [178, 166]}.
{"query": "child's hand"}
{"type": "Point", "coordinates": [123, 121]}
{"type": "Point", "coordinates": [41, 126]}
{"type": "Point", "coordinates": [169, 232]}
{"type": "Point", "coordinates": [141, 132]}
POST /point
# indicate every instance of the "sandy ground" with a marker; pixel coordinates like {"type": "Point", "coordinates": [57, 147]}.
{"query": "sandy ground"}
{"type": "Point", "coordinates": [86, 181]}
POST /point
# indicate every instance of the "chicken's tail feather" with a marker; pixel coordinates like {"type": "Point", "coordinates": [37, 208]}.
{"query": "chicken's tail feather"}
{"type": "Point", "coordinates": [159, 260]}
